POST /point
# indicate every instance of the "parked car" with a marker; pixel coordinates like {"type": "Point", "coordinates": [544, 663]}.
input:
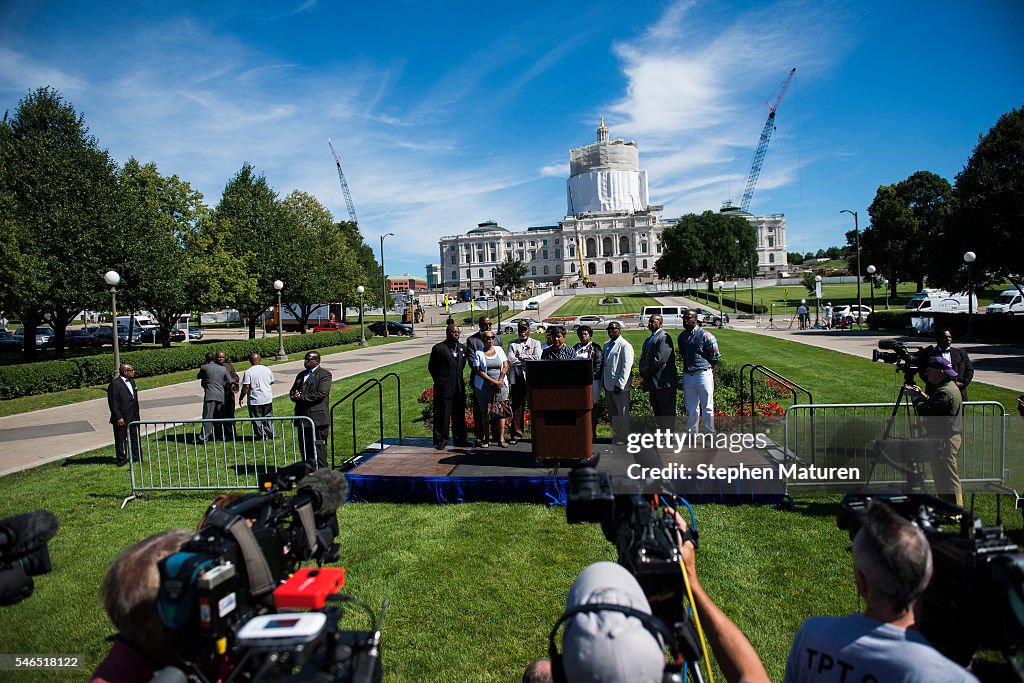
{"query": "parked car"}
{"type": "Point", "coordinates": [595, 321]}
{"type": "Point", "coordinates": [841, 312]}
{"type": "Point", "coordinates": [151, 335]}
{"type": "Point", "coordinates": [44, 336]}
{"type": "Point", "coordinates": [533, 306]}
{"type": "Point", "coordinates": [707, 317]}
{"type": "Point", "coordinates": [394, 329]}
{"type": "Point", "coordinates": [106, 335]}
{"type": "Point", "coordinates": [8, 342]}
{"type": "Point", "coordinates": [512, 326]}
{"type": "Point", "coordinates": [330, 327]}
{"type": "Point", "coordinates": [82, 338]}
{"type": "Point", "coordinates": [195, 333]}
{"type": "Point", "coordinates": [1009, 302]}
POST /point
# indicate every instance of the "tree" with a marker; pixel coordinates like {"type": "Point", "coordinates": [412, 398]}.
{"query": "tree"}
{"type": "Point", "coordinates": [833, 253]}
{"type": "Point", "coordinates": [313, 281]}
{"type": "Point", "coordinates": [820, 254]}
{"type": "Point", "coordinates": [707, 245]}
{"type": "Point", "coordinates": [367, 270]}
{"type": "Point", "coordinates": [510, 274]}
{"type": "Point", "coordinates": [808, 256]}
{"type": "Point", "coordinates": [60, 197]}
{"type": "Point", "coordinates": [810, 282]}
{"type": "Point", "coordinates": [906, 218]}
{"type": "Point", "coordinates": [252, 224]}
{"type": "Point", "coordinates": [989, 215]}
{"type": "Point", "coordinates": [794, 258]}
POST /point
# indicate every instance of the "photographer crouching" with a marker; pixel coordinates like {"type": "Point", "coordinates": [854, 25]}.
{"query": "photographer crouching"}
{"type": "Point", "coordinates": [943, 400]}
{"type": "Point", "coordinates": [892, 566]}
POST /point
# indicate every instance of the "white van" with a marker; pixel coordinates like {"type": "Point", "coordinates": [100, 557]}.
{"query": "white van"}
{"type": "Point", "coordinates": [938, 301]}
{"type": "Point", "coordinates": [1009, 302]}
{"type": "Point", "coordinates": [671, 316]}
{"type": "Point", "coordinates": [141, 322]}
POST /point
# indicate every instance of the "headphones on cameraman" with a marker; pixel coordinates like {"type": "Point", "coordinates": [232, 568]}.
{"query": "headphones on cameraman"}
{"type": "Point", "coordinates": [655, 626]}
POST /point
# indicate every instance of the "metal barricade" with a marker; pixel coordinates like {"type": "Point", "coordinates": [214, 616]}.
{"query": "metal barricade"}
{"type": "Point", "coordinates": [217, 454]}
{"type": "Point", "coordinates": [835, 435]}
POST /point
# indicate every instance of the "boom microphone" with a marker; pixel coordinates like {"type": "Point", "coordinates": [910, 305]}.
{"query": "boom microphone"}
{"type": "Point", "coordinates": [327, 489]}
{"type": "Point", "coordinates": [22, 533]}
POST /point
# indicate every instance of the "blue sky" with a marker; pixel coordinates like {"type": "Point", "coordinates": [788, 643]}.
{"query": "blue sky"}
{"type": "Point", "coordinates": [449, 114]}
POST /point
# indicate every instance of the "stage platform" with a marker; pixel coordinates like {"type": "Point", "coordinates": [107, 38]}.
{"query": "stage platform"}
{"type": "Point", "coordinates": [414, 472]}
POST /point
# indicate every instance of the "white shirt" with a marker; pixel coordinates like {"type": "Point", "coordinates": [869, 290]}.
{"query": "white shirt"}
{"type": "Point", "coordinates": [259, 378]}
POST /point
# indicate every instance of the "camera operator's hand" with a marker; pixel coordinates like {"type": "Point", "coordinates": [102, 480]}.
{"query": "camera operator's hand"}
{"type": "Point", "coordinates": [736, 656]}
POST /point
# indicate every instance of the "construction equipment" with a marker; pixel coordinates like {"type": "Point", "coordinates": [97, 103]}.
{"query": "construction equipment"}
{"type": "Point", "coordinates": [344, 185]}
{"type": "Point", "coordinates": [409, 311]}
{"type": "Point", "coordinates": [584, 280]}
{"type": "Point", "coordinates": [762, 148]}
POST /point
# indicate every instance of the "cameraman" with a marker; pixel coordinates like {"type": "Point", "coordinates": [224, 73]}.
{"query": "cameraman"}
{"type": "Point", "coordinates": [611, 647]}
{"type": "Point", "coordinates": [892, 565]}
{"type": "Point", "coordinates": [942, 401]}
{"type": "Point", "coordinates": [956, 356]}
{"type": "Point", "coordinates": [142, 644]}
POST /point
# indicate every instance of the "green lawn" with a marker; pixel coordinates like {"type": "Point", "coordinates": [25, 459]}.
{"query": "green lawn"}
{"type": "Point", "coordinates": [476, 587]}
{"type": "Point", "coordinates": [589, 304]}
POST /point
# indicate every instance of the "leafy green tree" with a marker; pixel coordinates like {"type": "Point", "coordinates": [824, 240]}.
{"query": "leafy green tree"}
{"type": "Point", "coordinates": [320, 265]}
{"type": "Point", "coordinates": [252, 224]}
{"type": "Point", "coordinates": [510, 274]}
{"type": "Point", "coordinates": [820, 254]}
{"type": "Point", "coordinates": [794, 258]}
{"type": "Point", "coordinates": [989, 215]}
{"type": "Point", "coordinates": [60, 197]}
{"type": "Point", "coordinates": [707, 245]}
{"type": "Point", "coordinates": [809, 282]}
{"type": "Point", "coordinates": [367, 269]}
{"type": "Point", "coordinates": [807, 257]}
{"type": "Point", "coordinates": [833, 253]}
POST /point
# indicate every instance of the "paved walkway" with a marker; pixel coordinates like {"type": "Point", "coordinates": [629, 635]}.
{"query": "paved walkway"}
{"type": "Point", "coordinates": [997, 364]}
{"type": "Point", "coordinates": [42, 436]}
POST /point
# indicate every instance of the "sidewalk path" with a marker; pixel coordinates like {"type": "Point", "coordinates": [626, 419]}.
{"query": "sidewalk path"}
{"type": "Point", "coordinates": [996, 364]}
{"type": "Point", "coordinates": [42, 436]}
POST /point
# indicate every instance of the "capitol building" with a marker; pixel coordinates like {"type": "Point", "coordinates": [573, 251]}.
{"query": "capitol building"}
{"type": "Point", "coordinates": [611, 233]}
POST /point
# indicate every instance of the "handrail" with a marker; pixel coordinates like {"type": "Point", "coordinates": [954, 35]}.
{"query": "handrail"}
{"type": "Point", "coordinates": [792, 386]}
{"type": "Point", "coordinates": [355, 394]}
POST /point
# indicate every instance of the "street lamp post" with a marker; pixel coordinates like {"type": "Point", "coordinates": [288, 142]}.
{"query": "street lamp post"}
{"type": "Point", "coordinates": [281, 355]}
{"type": "Point", "coordinates": [362, 330]}
{"type": "Point", "coordinates": [969, 258]}
{"type": "Point", "coordinates": [871, 273]}
{"type": "Point", "coordinates": [497, 297]}
{"type": "Point", "coordinates": [752, 309]}
{"type": "Point", "coordinates": [384, 282]}
{"type": "Point", "coordinates": [721, 305]}
{"type": "Point", "coordinates": [856, 231]}
{"type": "Point", "coordinates": [735, 289]}
{"type": "Point", "coordinates": [112, 278]}
{"type": "Point", "coordinates": [817, 300]}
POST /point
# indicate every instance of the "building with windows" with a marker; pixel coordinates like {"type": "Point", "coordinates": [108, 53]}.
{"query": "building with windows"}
{"type": "Point", "coordinates": [433, 275]}
{"type": "Point", "coordinates": [610, 235]}
{"type": "Point", "coordinates": [405, 283]}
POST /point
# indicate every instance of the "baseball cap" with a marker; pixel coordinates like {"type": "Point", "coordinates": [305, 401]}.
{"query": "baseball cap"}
{"type": "Point", "coordinates": [609, 646]}
{"type": "Point", "coordinates": [942, 363]}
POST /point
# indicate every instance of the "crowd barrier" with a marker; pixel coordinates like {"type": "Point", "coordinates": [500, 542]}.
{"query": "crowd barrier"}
{"type": "Point", "coordinates": [846, 436]}
{"type": "Point", "coordinates": [174, 455]}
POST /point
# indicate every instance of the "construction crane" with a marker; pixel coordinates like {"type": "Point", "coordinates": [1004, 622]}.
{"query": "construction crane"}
{"type": "Point", "coordinates": [344, 185]}
{"type": "Point", "coordinates": [762, 147]}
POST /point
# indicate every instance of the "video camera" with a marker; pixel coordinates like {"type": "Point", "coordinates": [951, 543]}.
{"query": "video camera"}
{"type": "Point", "coordinates": [24, 553]}
{"type": "Point", "coordinates": [975, 599]}
{"type": "Point", "coordinates": [644, 535]}
{"type": "Point", "coordinates": [896, 353]}
{"type": "Point", "coordinates": [228, 587]}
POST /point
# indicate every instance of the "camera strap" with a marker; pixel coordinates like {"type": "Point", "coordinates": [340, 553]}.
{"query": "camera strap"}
{"type": "Point", "coordinates": [261, 581]}
{"type": "Point", "coordinates": [305, 515]}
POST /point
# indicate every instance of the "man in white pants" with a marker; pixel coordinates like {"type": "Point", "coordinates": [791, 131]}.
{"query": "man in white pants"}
{"type": "Point", "coordinates": [699, 350]}
{"type": "Point", "coordinates": [616, 377]}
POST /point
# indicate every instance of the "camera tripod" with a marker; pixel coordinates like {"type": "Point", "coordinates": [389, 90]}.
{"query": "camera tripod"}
{"type": "Point", "coordinates": [904, 454]}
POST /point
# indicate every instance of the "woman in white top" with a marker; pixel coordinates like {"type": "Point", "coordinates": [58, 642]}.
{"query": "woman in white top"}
{"type": "Point", "coordinates": [489, 385]}
{"type": "Point", "coordinates": [588, 349]}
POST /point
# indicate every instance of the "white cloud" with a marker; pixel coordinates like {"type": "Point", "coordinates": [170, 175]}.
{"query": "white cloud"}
{"type": "Point", "coordinates": [21, 73]}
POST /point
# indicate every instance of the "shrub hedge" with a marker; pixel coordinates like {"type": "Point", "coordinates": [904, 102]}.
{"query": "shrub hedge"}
{"type": "Point", "coordinates": [711, 300]}
{"type": "Point", "coordinates": [985, 326]}
{"type": "Point", "coordinates": [57, 375]}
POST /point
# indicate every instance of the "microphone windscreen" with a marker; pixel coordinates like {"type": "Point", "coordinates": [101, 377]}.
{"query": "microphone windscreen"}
{"type": "Point", "coordinates": [28, 530]}
{"type": "Point", "coordinates": [328, 487]}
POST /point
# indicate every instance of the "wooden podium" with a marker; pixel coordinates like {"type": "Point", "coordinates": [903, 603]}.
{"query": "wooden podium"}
{"type": "Point", "coordinates": [561, 397]}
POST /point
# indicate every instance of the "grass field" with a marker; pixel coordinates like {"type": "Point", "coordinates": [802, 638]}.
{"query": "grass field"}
{"type": "Point", "coordinates": [475, 587]}
{"type": "Point", "coordinates": [589, 304]}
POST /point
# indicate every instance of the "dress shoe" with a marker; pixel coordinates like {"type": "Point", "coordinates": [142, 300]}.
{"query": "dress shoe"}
{"type": "Point", "coordinates": [441, 445]}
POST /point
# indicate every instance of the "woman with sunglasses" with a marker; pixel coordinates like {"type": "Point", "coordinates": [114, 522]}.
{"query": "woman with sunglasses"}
{"type": "Point", "coordinates": [591, 351]}
{"type": "Point", "coordinates": [489, 385]}
{"type": "Point", "coordinates": [557, 348]}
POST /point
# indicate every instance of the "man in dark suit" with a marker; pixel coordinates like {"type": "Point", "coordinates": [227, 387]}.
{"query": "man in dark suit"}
{"type": "Point", "coordinates": [447, 367]}
{"type": "Point", "coordinates": [658, 370]}
{"type": "Point", "coordinates": [216, 383]}
{"type": "Point", "coordinates": [957, 357]}
{"type": "Point", "coordinates": [311, 393]}
{"type": "Point", "coordinates": [123, 400]}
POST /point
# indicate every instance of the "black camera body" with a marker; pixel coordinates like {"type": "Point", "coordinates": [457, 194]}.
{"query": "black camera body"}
{"type": "Point", "coordinates": [24, 553]}
{"type": "Point", "coordinates": [974, 600]}
{"type": "Point", "coordinates": [909, 362]}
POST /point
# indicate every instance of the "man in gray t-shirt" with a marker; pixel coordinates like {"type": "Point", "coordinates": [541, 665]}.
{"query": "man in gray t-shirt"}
{"type": "Point", "coordinates": [892, 565]}
{"type": "Point", "coordinates": [256, 383]}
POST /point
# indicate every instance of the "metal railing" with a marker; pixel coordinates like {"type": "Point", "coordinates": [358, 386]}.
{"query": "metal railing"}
{"type": "Point", "coordinates": [355, 394]}
{"type": "Point", "coordinates": [215, 454]}
{"type": "Point", "coordinates": [846, 435]}
{"type": "Point", "coordinates": [792, 387]}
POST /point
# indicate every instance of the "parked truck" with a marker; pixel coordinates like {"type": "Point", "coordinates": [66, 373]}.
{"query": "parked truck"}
{"type": "Point", "coordinates": [939, 301]}
{"type": "Point", "coordinates": [1009, 302]}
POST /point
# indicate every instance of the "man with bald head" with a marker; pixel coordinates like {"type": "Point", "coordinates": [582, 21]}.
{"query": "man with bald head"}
{"type": "Point", "coordinates": [658, 370]}
{"type": "Point", "coordinates": [311, 393]}
{"type": "Point", "coordinates": [447, 367]}
{"type": "Point", "coordinates": [123, 401]}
